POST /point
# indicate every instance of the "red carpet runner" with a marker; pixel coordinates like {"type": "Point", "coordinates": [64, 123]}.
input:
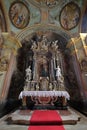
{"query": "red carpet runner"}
{"type": "Point", "coordinates": [46, 127]}
{"type": "Point", "coordinates": [45, 117]}
{"type": "Point", "coordinates": [46, 120]}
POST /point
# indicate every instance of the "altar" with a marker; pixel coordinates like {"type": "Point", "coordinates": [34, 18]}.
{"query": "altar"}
{"type": "Point", "coordinates": [44, 98]}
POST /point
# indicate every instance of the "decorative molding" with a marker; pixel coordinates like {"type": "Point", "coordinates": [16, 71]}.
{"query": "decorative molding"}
{"type": "Point", "coordinates": [13, 42]}
{"type": "Point", "coordinates": [50, 4]}
{"type": "Point", "coordinates": [43, 27]}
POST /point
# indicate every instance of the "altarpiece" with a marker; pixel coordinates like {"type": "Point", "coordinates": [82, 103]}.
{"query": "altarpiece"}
{"type": "Point", "coordinates": [44, 80]}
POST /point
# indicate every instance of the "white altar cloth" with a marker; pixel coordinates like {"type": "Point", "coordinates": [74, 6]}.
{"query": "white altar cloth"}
{"type": "Point", "coordinates": [45, 94]}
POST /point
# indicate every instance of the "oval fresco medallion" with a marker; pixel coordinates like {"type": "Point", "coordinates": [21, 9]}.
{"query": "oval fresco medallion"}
{"type": "Point", "coordinates": [19, 14]}
{"type": "Point", "coordinates": [70, 16]}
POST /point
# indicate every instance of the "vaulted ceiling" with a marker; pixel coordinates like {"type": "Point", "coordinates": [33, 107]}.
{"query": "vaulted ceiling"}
{"type": "Point", "coordinates": [62, 18]}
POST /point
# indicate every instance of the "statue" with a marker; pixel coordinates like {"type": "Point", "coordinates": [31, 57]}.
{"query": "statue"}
{"type": "Point", "coordinates": [43, 44]}
{"type": "Point", "coordinates": [28, 74]}
{"type": "Point", "coordinates": [60, 79]}
{"type": "Point", "coordinates": [58, 72]}
{"type": "Point", "coordinates": [34, 45]}
{"type": "Point", "coordinates": [50, 86]}
{"type": "Point", "coordinates": [55, 45]}
{"type": "Point", "coordinates": [37, 87]}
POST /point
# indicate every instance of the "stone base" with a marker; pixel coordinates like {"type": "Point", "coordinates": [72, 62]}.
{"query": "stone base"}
{"type": "Point", "coordinates": [22, 117]}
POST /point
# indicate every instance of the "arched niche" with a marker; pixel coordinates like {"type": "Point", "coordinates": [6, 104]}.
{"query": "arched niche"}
{"type": "Point", "coordinates": [28, 54]}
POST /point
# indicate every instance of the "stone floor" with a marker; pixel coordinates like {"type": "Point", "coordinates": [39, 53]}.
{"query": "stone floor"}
{"type": "Point", "coordinates": [81, 125]}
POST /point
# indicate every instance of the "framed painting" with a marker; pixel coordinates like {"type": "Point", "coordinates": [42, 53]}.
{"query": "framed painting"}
{"type": "Point", "coordinates": [70, 16]}
{"type": "Point", "coordinates": [19, 14]}
{"type": "Point", "coordinates": [83, 64]}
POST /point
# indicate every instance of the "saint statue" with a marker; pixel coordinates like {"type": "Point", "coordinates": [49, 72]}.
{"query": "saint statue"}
{"type": "Point", "coordinates": [60, 78]}
{"type": "Point", "coordinates": [58, 72]}
{"type": "Point", "coordinates": [28, 74]}
{"type": "Point", "coordinates": [59, 75]}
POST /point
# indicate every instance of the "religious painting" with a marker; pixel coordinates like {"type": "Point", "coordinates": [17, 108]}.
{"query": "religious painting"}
{"type": "Point", "coordinates": [70, 16]}
{"type": "Point", "coordinates": [84, 65]}
{"type": "Point", "coordinates": [19, 14]}
{"type": "Point", "coordinates": [84, 22]}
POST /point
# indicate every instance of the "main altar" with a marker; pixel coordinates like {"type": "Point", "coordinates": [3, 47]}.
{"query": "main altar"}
{"type": "Point", "coordinates": [44, 80]}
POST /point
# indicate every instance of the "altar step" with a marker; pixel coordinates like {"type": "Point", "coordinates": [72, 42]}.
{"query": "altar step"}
{"type": "Point", "coordinates": [49, 107]}
{"type": "Point", "coordinates": [23, 117]}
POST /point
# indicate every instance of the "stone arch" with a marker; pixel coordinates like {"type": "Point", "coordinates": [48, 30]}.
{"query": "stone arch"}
{"type": "Point", "coordinates": [43, 27]}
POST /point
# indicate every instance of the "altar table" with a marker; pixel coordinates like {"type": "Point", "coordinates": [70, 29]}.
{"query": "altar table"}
{"type": "Point", "coordinates": [44, 97]}
{"type": "Point", "coordinates": [45, 94]}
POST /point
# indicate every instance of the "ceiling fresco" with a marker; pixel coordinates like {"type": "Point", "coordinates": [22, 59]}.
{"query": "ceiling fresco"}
{"type": "Point", "coordinates": [19, 14]}
{"type": "Point", "coordinates": [48, 3]}
{"type": "Point", "coordinates": [65, 15]}
{"type": "Point", "coordinates": [70, 16]}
